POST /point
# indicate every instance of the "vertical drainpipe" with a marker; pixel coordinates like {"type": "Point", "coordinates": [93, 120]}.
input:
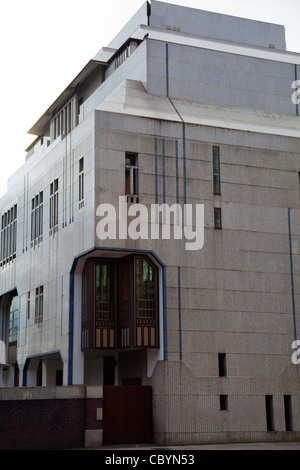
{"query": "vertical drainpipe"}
{"type": "Point", "coordinates": [184, 161]}
{"type": "Point", "coordinates": [156, 174]}
{"type": "Point", "coordinates": [177, 194]}
{"type": "Point", "coordinates": [296, 79]}
{"type": "Point", "coordinates": [183, 123]}
{"type": "Point", "coordinates": [148, 13]}
{"type": "Point", "coordinates": [292, 274]}
{"type": "Point", "coordinates": [167, 70]}
{"type": "Point", "coordinates": [71, 329]}
{"type": "Point", "coordinates": [179, 312]}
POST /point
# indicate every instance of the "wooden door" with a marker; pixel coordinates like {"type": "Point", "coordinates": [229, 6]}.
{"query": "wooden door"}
{"type": "Point", "coordinates": [127, 416]}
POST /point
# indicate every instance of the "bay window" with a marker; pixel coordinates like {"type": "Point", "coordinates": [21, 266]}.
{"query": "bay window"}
{"type": "Point", "coordinates": [119, 304]}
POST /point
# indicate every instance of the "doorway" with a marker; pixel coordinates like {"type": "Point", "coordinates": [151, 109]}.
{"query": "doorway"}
{"type": "Point", "coordinates": [109, 371]}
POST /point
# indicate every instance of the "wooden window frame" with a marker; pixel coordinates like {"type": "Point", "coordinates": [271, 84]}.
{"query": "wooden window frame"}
{"type": "Point", "coordinates": [123, 329]}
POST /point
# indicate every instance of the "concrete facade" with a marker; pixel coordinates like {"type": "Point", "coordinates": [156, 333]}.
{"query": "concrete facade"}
{"type": "Point", "coordinates": [183, 88]}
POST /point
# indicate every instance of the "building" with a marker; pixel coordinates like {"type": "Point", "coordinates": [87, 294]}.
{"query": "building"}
{"type": "Point", "coordinates": [183, 107]}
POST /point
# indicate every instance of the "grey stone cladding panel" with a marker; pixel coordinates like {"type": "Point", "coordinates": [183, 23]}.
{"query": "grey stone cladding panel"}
{"type": "Point", "coordinates": [215, 77]}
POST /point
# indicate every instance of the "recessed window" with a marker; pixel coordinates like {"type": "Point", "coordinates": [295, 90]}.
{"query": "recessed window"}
{"type": "Point", "coordinates": [28, 306]}
{"type": "Point", "coordinates": [37, 219]}
{"type": "Point", "coordinates": [8, 236]}
{"type": "Point", "coordinates": [53, 216]}
{"type": "Point", "coordinates": [216, 170]}
{"type": "Point", "coordinates": [223, 402]}
{"type": "Point", "coordinates": [13, 321]}
{"type": "Point", "coordinates": [81, 183]}
{"type": "Point", "coordinates": [288, 413]}
{"type": "Point", "coordinates": [39, 304]}
{"type": "Point", "coordinates": [218, 218]}
{"type": "Point", "coordinates": [65, 120]}
{"type": "Point", "coordinates": [222, 364]}
{"type": "Point", "coordinates": [124, 53]}
{"type": "Point", "coordinates": [39, 374]}
{"type": "Point", "coordinates": [131, 177]}
{"type": "Point", "coordinates": [269, 412]}
{"type": "Point", "coordinates": [80, 101]}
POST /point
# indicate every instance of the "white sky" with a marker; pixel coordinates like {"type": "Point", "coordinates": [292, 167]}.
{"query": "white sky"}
{"type": "Point", "coordinates": [44, 45]}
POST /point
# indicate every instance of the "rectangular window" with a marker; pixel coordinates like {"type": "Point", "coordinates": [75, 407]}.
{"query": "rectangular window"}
{"type": "Point", "coordinates": [223, 402]}
{"type": "Point", "coordinates": [145, 289]}
{"type": "Point", "coordinates": [28, 306]}
{"type": "Point", "coordinates": [65, 120]}
{"type": "Point", "coordinates": [79, 110]}
{"type": "Point", "coordinates": [288, 413]}
{"type": "Point", "coordinates": [216, 170]}
{"type": "Point", "coordinates": [8, 236]}
{"type": "Point", "coordinates": [222, 364]}
{"type": "Point", "coordinates": [39, 304]}
{"type": "Point", "coordinates": [13, 321]}
{"type": "Point", "coordinates": [269, 412]}
{"type": "Point", "coordinates": [218, 218]}
{"type": "Point", "coordinates": [37, 219]}
{"type": "Point", "coordinates": [124, 53]}
{"type": "Point", "coordinates": [131, 177]}
{"type": "Point", "coordinates": [53, 216]}
{"type": "Point", "coordinates": [81, 183]}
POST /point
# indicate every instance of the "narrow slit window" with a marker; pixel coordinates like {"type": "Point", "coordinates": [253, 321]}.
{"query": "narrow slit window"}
{"type": "Point", "coordinates": [218, 218]}
{"type": "Point", "coordinates": [222, 364]}
{"type": "Point", "coordinates": [269, 412]}
{"type": "Point", "coordinates": [223, 402]}
{"type": "Point", "coordinates": [39, 304]}
{"type": "Point", "coordinates": [28, 305]}
{"type": "Point", "coordinates": [288, 413]}
{"type": "Point", "coordinates": [53, 216]}
{"type": "Point", "coordinates": [216, 170]}
{"type": "Point", "coordinates": [131, 177]}
{"type": "Point", "coordinates": [81, 183]}
{"type": "Point", "coordinates": [37, 219]}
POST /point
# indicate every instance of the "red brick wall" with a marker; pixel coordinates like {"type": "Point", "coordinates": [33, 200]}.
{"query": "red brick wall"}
{"type": "Point", "coordinates": [47, 424]}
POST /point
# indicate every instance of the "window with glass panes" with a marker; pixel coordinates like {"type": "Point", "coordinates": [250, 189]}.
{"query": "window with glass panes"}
{"type": "Point", "coordinates": [53, 216]}
{"type": "Point", "coordinates": [145, 289]}
{"type": "Point", "coordinates": [8, 236]}
{"type": "Point", "coordinates": [13, 321]}
{"type": "Point", "coordinates": [131, 177]}
{"type": "Point", "coordinates": [37, 219]}
{"type": "Point", "coordinates": [119, 303]}
{"type": "Point", "coordinates": [216, 171]}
